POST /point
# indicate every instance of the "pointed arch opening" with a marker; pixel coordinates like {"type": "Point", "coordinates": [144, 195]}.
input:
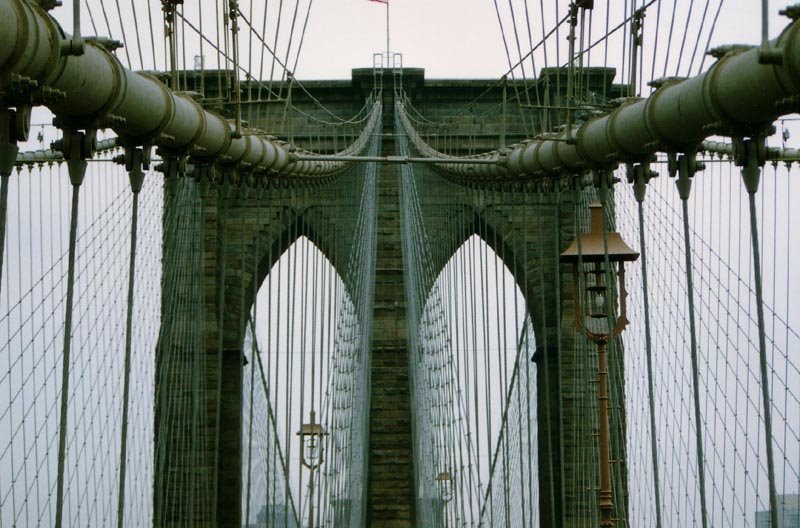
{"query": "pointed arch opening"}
{"type": "Point", "coordinates": [305, 343]}
{"type": "Point", "coordinates": [475, 391]}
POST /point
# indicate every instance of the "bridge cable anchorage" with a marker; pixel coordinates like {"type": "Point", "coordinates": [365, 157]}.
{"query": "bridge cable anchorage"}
{"type": "Point", "coordinates": [76, 146]}
{"type": "Point", "coordinates": [750, 155]}
{"type": "Point", "coordinates": [686, 165]}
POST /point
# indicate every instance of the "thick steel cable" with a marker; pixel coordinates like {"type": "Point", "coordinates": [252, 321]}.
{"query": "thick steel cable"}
{"type": "Point", "coordinates": [165, 341]}
{"type": "Point", "coordinates": [253, 350]}
{"type": "Point", "coordinates": [275, 47]}
{"type": "Point", "coordinates": [545, 358]}
{"type": "Point", "coordinates": [66, 367]}
{"type": "Point", "coordinates": [124, 35]}
{"type": "Point", "coordinates": [751, 174]}
{"type": "Point", "coordinates": [128, 343]}
{"type": "Point", "coordinates": [710, 35]}
{"type": "Point", "coordinates": [649, 357]}
{"type": "Point", "coordinates": [179, 339]}
{"type": "Point", "coordinates": [138, 36]}
{"type": "Point", "coordinates": [223, 190]}
{"type": "Point", "coordinates": [282, 458]}
{"type": "Point", "coordinates": [233, 8]}
{"type": "Point", "coordinates": [263, 48]}
{"type": "Point", "coordinates": [684, 184]}
{"type": "Point", "coordinates": [289, 43]}
{"type": "Point", "coordinates": [302, 36]}
{"type": "Point", "coordinates": [697, 38]}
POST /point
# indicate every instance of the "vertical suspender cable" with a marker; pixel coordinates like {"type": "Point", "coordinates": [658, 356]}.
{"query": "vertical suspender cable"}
{"type": "Point", "coordinates": [233, 9]}
{"type": "Point", "coordinates": [77, 42]}
{"type": "Point", "coordinates": [560, 512]}
{"type": "Point", "coordinates": [545, 357]}
{"type": "Point", "coordinates": [253, 319]}
{"type": "Point", "coordinates": [751, 174]}
{"type": "Point", "coordinates": [243, 194]}
{"type": "Point", "coordinates": [686, 168]}
{"type": "Point", "coordinates": [136, 178]}
{"type": "Point", "coordinates": [72, 144]}
{"type": "Point", "coordinates": [640, 177]}
{"type": "Point", "coordinates": [223, 193]}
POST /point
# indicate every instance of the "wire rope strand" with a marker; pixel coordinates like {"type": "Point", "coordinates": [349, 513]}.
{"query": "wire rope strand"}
{"type": "Point", "coordinates": [751, 174]}
{"type": "Point", "coordinates": [649, 354]}
{"type": "Point", "coordinates": [684, 186]}
{"type": "Point", "coordinates": [66, 366]}
{"type": "Point", "coordinates": [223, 190]}
{"type": "Point", "coordinates": [128, 347]}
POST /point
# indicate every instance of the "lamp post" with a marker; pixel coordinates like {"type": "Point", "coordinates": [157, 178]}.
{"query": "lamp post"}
{"type": "Point", "coordinates": [594, 318]}
{"type": "Point", "coordinates": [312, 456]}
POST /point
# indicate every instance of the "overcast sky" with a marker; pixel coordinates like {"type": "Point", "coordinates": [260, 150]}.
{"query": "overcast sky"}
{"type": "Point", "coordinates": [459, 38]}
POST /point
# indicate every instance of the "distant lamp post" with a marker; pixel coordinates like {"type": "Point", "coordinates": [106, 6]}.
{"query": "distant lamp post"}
{"type": "Point", "coordinates": [594, 317]}
{"type": "Point", "coordinates": [312, 456]}
{"type": "Point", "coordinates": [445, 485]}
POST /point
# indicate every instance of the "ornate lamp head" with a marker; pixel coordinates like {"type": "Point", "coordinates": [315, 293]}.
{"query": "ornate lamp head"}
{"type": "Point", "coordinates": [593, 302]}
{"type": "Point", "coordinates": [311, 436]}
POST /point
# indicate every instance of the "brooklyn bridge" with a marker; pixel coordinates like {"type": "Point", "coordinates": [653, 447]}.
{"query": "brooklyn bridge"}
{"type": "Point", "coordinates": [236, 294]}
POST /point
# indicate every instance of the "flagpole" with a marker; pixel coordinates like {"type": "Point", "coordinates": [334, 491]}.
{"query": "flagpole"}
{"type": "Point", "coordinates": [388, 59]}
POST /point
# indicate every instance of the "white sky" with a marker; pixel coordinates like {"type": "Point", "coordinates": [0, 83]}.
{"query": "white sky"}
{"type": "Point", "coordinates": [456, 38]}
{"type": "Point", "coordinates": [449, 38]}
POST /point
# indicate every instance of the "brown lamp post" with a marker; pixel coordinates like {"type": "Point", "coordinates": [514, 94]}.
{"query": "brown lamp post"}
{"type": "Point", "coordinates": [312, 456]}
{"type": "Point", "coordinates": [594, 318]}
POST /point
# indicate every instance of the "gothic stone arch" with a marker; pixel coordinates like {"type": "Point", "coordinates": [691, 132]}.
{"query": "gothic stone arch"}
{"type": "Point", "coordinates": [527, 242]}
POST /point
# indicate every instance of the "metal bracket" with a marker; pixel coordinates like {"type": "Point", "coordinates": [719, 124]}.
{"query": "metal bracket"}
{"type": "Point", "coordinates": [134, 161]}
{"type": "Point", "coordinates": [76, 146]}
{"type": "Point", "coordinates": [8, 141]}
{"type": "Point", "coordinates": [20, 87]}
{"type": "Point", "coordinates": [686, 166]}
{"type": "Point", "coordinates": [172, 167]}
{"type": "Point", "coordinates": [726, 49]}
{"type": "Point", "coordinates": [49, 5]}
{"type": "Point", "coordinates": [106, 43]}
{"type": "Point", "coordinates": [792, 12]}
{"type": "Point", "coordinates": [639, 175]}
{"type": "Point", "coordinates": [750, 155]}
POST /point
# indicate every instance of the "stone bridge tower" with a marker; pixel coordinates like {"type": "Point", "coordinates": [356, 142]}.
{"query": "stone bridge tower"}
{"type": "Point", "coordinates": [237, 239]}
